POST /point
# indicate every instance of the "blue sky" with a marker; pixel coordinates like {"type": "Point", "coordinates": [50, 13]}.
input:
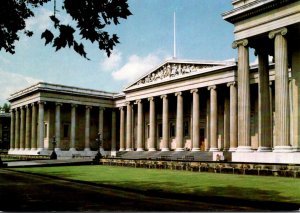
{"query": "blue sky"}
{"type": "Point", "coordinates": [146, 40]}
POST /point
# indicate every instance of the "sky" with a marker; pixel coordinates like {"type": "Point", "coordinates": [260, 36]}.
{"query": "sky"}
{"type": "Point", "coordinates": [146, 40]}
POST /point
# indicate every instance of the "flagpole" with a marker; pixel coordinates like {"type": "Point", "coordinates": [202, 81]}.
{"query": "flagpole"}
{"type": "Point", "coordinates": [174, 45]}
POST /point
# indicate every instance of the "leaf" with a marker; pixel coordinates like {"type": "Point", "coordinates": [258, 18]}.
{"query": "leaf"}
{"type": "Point", "coordinates": [48, 36]}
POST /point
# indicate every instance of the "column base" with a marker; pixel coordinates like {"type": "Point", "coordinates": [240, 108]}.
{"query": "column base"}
{"type": "Point", "coordinates": [87, 149]}
{"type": "Point", "coordinates": [232, 149]}
{"type": "Point", "coordinates": [27, 149]}
{"type": "Point", "coordinates": [179, 149]}
{"type": "Point", "coordinates": [129, 149]}
{"type": "Point", "coordinates": [165, 149]}
{"type": "Point", "coordinates": [296, 149]}
{"type": "Point", "coordinates": [244, 149]}
{"type": "Point", "coordinates": [283, 149]}
{"type": "Point", "coordinates": [113, 153]}
{"type": "Point", "coordinates": [121, 150]}
{"type": "Point", "coordinates": [152, 149]}
{"type": "Point", "coordinates": [212, 149]}
{"type": "Point", "coordinates": [73, 150]}
{"type": "Point", "coordinates": [57, 150]}
{"type": "Point", "coordinates": [196, 149]}
{"type": "Point", "coordinates": [264, 149]}
{"type": "Point", "coordinates": [140, 150]}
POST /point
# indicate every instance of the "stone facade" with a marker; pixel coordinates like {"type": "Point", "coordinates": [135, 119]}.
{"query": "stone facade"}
{"type": "Point", "coordinates": [222, 107]}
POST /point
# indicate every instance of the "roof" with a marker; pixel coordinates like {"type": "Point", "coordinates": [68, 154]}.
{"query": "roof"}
{"type": "Point", "coordinates": [176, 69]}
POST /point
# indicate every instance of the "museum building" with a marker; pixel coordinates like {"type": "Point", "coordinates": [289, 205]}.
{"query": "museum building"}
{"type": "Point", "coordinates": [246, 113]}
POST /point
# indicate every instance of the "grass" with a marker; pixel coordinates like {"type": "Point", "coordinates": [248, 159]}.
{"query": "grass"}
{"type": "Point", "coordinates": [256, 188]}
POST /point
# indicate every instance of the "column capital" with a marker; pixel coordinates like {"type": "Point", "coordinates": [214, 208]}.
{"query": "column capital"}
{"type": "Point", "coordinates": [128, 103]}
{"type": "Point", "coordinates": [121, 108]}
{"type": "Point", "coordinates": [41, 102]}
{"type": "Point", "coordinates": [101, 108]}
{"type": "Point", "coordinates": [233, 83]}
{"type": "Point", "coordinates": [282, 31]}
{"type": "Point", "coordinates": [212, 87]}
{"type": "Point", "coordinates": [151, 99]}
{"type": "Point", "coordinates": [178, 93]}
{"type": "Point", "coordinates": [138, 101]}
{"type": "Point", "coordinates": [11, 110]}
{"type": "Point", "coordinates": [194, 90]}
{"type": "Point", "coordinates": [32, 104]}
{"type": "Point", "coordinates": [58, 104]}
{"type": "Point", "coordinates": [164, 96]}
{"type": "Point", "coordinates": [27, 106]}
{"type": "Point", "coordinates": [270, 83]}
{"type": "Point", "coordinates": [243, 42]}
{"type": "Point", "coordinates": [74, 105]}
{"type": "Point", "coordinates": [88, 107]}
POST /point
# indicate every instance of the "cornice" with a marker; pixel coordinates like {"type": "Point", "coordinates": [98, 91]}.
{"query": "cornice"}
{"type": "Point", "coordinates": [253, 9]}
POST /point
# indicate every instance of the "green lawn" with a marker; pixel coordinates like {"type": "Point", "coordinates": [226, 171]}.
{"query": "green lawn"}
{"type": "Point", "coordinates": [257, 188]}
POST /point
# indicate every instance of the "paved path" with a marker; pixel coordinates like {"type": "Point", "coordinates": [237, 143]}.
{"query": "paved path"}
{"type": "Point", "coordinates": [26, 192]}
{"type": "Point", "coordinates": [31, 163]}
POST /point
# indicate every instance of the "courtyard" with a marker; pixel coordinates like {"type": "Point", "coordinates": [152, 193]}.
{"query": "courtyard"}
{"type": "Point", "coordinates": [110, 188]}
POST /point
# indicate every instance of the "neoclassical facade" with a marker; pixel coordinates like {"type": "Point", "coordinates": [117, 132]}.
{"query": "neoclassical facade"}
{"type": "Point", "coordinates": [249, 113]}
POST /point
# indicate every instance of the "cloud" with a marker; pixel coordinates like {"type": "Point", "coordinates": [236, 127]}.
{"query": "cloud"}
{"type": "Point", "coordinates": [40, 21]}
{"type": "Point", "coordinates": [112, 62]}
{"type": "Point", "coordinates": [12, 82]}
{"type": "Point", "coordinates": [136, 67]}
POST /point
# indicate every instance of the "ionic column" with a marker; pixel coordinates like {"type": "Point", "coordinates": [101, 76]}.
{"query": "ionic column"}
{"type": "Point", "coordinates": [264, 114]}
{"type": "Point", "coordinates": [196, 118]}
{"type": "Point", "coordinates": [282, 141]}
{"type": "Point", "coordinates": [27, 129]}
{"type": "Point", "coordinates": [122, 129]}
{"type": "Point", "coordinates": [33, 127]}
{"type": "Point", "coordinates": [12, 130]}
{"type": "Point", "coordinates": [113, 130]}
{"type": "Point", "coordinates": [152, 121]}
{"type": "Point", "coordinates": [73, 128]}
{"type": "Point", "coordinates": [101, 120]}
{"type": "Point", "coordinates": [179, 122]}
{"type": "Point", "coordinates": [244, 140]}
{"type": "Point", "coordinates": [213, 119]}
{"type": "Point", "coordinates": [233, 117]}
{"type": "Point", "coordinates": [129, 127]}
{"type": "Point", "coordinates": [271, 115]}
{"type": "Point", "coordinates": [17, 130]}
{"type": "Point", "coordinates": [87, 129]}
{"type": "Point", "coordinates": [140, 126]}
{"type": "Point", "coordinates": [41, 126]}
{"type": "Point", "coordinates": [165, 124]}
{"type": "Point", "coordinates": [226, 123]}
{"type": "Point", "coordinates": [22, 129]}
{"type": "Point", "coordinates": [57, 125]}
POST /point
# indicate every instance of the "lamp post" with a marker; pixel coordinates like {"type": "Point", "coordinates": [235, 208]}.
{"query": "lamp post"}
{"type": "Point", "coordinates": [53, 155]}
{"type": "Point", "coordinates": [98, 156]}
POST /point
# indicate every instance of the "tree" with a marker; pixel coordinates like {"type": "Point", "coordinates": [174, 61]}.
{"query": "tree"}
{"type": "Point", "coordinates": [5, 108]}
{"type": "Point", "coordinates": [91, 17]}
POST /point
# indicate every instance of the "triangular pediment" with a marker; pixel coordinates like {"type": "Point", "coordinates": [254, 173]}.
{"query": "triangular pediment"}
{"type": "Point", "coordinates": [176, 69]}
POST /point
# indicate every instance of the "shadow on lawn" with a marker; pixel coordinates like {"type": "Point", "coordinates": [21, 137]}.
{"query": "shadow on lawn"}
{"type": "Point", "coordinates": [230, 197]}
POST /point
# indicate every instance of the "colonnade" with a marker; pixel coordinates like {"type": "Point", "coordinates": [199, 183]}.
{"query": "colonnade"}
{"type": "Point", "coordinates": [126, 136]}
{"type": "Point", "coordinates": [28, 123]}
{"type": "Point", "coordinates": [282, 112]}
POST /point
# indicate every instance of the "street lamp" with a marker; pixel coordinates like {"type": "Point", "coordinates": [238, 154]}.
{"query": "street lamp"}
{"type": "Point", "coordinates": [98, 156]}
{"type": "Point", "coordinates": [53, 155]}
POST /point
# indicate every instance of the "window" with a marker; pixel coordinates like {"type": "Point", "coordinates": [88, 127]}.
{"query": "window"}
{"type": "Point", "coordinates": [148, 130]}
{"type": "Point", "coordinates": [66, 131]}
{"type": "Point", "coordinates": [172, 130]}
{"type": "Point", "coordinates": [186, 129]}
{"type": "Point", "coordinates": [160, 130]}
{"type": "Point", "coordinates": [45, 130]}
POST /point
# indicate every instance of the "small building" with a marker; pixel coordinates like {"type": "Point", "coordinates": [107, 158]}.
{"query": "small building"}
{"type": "Point", "coordinates": [4, 132]}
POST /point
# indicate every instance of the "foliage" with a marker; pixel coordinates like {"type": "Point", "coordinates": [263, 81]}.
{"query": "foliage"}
{"type": "Point", "coordinates": [5, 108]}
{"type": "Point", "coordinates": [91, 17]}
